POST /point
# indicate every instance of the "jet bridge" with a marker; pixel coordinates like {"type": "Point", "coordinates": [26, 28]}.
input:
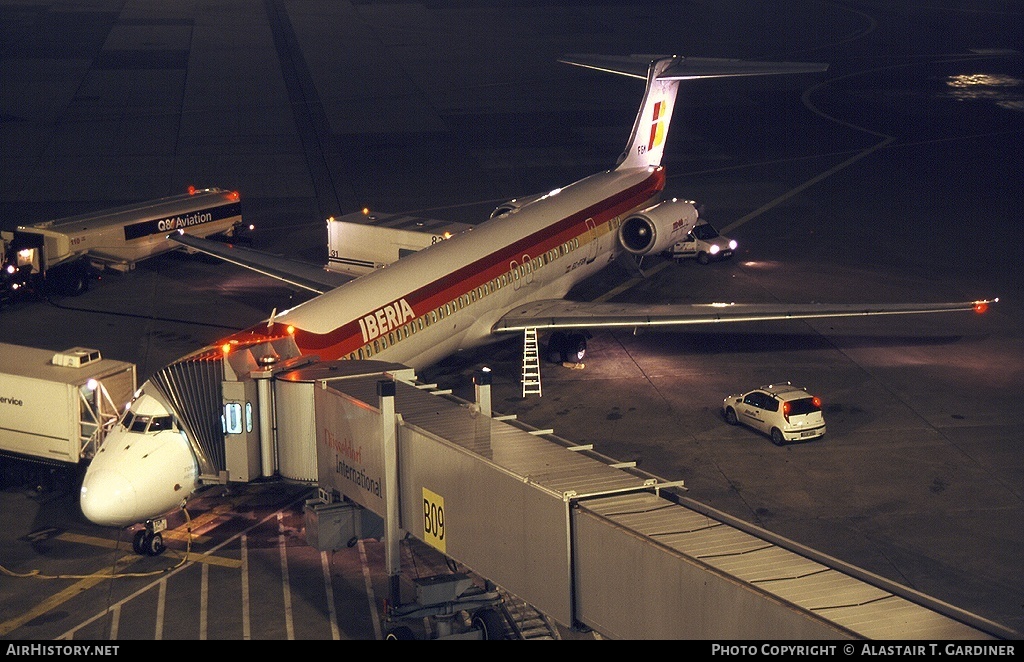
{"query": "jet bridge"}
{"type": "Point", "coordinates": [589, 542]}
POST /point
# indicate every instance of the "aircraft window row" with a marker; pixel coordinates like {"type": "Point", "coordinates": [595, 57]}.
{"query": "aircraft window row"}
{"type": "Point", "coordinates": [432, 317]}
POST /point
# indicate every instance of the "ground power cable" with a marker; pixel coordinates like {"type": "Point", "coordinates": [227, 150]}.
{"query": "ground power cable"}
{"type": "Point", "coordinates": [113, 574]}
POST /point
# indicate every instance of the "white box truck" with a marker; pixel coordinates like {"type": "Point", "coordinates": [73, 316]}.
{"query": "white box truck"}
{"type": "Point", "coordinates": [55, 407]}
{"type": "Point", "coordinates": [65, 253]}
{"type": "Point", "coordinates": [361, 242]}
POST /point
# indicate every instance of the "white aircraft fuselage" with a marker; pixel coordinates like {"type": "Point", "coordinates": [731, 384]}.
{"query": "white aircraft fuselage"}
{"type": "Point", "coordinates": [453, 292]}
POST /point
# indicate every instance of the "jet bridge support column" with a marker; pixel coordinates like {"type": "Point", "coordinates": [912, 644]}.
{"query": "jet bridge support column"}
{"type": "Point", "coordinates": [389, 444]}
{"type": "Point", "coordinates": [482, 384]}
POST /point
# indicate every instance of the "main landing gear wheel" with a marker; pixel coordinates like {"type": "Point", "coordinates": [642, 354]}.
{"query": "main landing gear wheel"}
{"type": "Point", "coordinates": [567, 348]}
{"type": "Point", "coordinates": [575, 348]}
{"type": "Point", "coordinates": [148, 544]}
{"type": "Point", "coordinates": [556, 344]}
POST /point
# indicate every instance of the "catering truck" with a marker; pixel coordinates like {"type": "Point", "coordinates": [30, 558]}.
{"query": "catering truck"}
{"type": "Point", "coordinates": [55, 407]}
{"type": "Point", "coordinates": [360, 242]}
{"type": "Point", "coordinates": [63, 255]}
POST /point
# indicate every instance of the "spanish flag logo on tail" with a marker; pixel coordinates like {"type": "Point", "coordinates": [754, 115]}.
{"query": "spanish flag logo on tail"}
{"type": "Point", "coordinates": [657, 126]}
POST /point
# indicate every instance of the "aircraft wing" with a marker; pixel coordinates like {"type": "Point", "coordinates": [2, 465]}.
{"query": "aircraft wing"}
{"type": "Point", "coordinates": [296, 273]}
{"type": "Point", "coordinates": [562, 314]}
{"type": "Point", "coordinates": [688, 68]}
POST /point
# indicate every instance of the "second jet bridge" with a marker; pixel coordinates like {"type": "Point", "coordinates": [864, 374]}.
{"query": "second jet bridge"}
{"type": "Point", "coordinates": [587, 541]}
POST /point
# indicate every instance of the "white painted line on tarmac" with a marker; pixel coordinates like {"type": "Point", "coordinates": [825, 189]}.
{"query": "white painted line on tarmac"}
{"type": "Point", "coordinates": [371, 598]}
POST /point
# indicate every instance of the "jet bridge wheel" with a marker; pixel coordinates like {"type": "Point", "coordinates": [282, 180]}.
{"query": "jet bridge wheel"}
{"type": "Point", "coordinates": [401, 633]}
{"type": "Point", "coordinates": [490, 623]}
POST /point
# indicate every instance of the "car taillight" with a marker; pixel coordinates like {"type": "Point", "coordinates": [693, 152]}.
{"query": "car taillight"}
{"type": "Point", "coordinates": [817, 402]}
{"type": "Point", "coordinates": [785, 410]}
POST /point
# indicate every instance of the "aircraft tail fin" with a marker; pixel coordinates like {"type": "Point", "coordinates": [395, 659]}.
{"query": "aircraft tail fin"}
{"type": "Point", "coordinates": [646, 145]}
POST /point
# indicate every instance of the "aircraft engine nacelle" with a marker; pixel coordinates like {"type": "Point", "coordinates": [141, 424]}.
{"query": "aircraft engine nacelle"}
{"type": "Point", "coordinates": [658, 227]}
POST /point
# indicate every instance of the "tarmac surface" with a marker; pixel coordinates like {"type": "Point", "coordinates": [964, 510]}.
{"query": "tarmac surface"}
{"type": "Point", "coordinates": [894, 176]}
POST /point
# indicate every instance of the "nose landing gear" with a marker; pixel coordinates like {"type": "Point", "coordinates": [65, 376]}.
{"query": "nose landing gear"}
{"type": "Point", "coordinates": [149, 541]}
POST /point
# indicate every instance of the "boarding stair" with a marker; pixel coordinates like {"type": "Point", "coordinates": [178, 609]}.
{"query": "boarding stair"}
{"type": "Point", "coordinates": [524, 621]}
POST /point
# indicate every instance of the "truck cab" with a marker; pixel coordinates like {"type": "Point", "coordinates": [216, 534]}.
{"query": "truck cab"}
{"type": "Point", "coordinates": [704, 243]}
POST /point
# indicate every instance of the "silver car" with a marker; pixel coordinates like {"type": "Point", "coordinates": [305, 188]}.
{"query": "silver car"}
{"type": "Point", "coordinates": [782, 411]}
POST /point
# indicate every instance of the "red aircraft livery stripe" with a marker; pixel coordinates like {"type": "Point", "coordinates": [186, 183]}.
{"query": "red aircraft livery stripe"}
{"type": "Point", "coordinates": [350, 336]}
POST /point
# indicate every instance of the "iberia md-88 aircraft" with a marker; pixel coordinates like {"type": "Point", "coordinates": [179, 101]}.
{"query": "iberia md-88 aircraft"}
{"type": "Point", "coordinates": [505, 275]}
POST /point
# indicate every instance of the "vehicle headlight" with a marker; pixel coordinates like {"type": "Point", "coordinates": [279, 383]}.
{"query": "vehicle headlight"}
{"type": "Point", "coordinates": [714, 249]}
{"type": "Point", "coordinates": [733, 244]}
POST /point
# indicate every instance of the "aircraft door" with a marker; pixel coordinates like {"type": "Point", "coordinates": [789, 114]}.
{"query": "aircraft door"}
{"type": "Point", "coordinates": [239, 419]}
{"type": "Point", "coordinates": [513, 275]}
{"type": "Point", "coordinates": [528, 266]}
{"type": "Point", "coordinates": [593, 249]}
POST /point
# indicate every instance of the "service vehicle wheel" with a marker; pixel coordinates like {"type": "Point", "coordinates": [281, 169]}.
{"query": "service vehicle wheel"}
{"type": "Point", "coordinates": [490, 624]}
{"type": "Point", "coordinates": [730, 416]}
{"type": "Point", "coordinates": [79, 283]}
{"type": "Point", "coordinates": [72, 280]}
{"type": "Point", "coordinates": [777, 437]}
{"type": "Point", "coordinates": [703, 257]}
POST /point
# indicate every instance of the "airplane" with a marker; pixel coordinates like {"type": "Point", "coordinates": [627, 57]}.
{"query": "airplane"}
{"type": "Point", "coordinates": [505, 275]}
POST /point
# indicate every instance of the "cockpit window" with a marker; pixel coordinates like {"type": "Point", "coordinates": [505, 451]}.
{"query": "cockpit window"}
{"type": "Point", "coordinates": [139, 423]}
{"type": "Point", "coordinates": [160, 423]}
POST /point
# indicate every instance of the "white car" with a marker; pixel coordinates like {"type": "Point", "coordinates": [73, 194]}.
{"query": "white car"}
{"type": "Point", "coordinates": [704, 243]}
{"type": "Point", "coordinates": [782, 411]}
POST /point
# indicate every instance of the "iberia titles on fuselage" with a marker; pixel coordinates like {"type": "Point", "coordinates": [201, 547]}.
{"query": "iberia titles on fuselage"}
{"type": "Point", "coordinates": [495, 261]}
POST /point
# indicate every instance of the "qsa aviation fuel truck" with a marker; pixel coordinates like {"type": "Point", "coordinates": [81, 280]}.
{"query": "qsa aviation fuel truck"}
{"type": "Point", "coordinates": [63, 255]}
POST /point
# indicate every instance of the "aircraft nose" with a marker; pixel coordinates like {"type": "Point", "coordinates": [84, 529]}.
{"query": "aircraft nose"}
{"type": "Point", "coordinates": [108, 498]}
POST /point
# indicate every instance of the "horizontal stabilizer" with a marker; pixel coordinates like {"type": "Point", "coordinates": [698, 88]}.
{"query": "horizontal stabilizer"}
{"type": "Point", "coordinates": [302, 275]}
{"type": "Point", "coordinates": [562, 314]}
{"type": "Point", "coordinates": [688, 68]}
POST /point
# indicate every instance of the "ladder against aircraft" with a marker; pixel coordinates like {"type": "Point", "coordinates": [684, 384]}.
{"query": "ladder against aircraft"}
{"type": "Point", "coordinates": [531, 363]}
